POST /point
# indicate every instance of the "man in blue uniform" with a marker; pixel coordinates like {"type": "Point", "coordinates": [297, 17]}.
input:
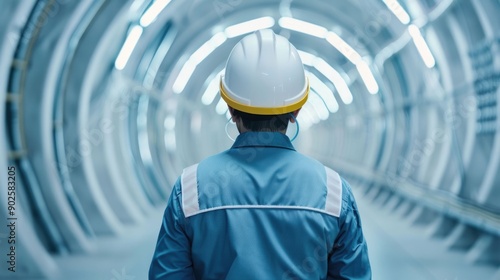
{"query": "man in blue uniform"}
{"type": "Point", "coordinates": [261, 210]}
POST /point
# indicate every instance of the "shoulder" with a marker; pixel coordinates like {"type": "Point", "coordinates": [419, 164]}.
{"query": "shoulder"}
{"type": "Point", "coordinates": [347, 195]}
{"type": "Point", "coordinates": [216, 162]}
{"type": "Point", "coordinates": [349, 206]}
{"type": "Point", "coordinates": [301, 164]}
{"type": "Point", "coordinates": [308, 160]}
{"type": "Point", "coordinates": [213, 162]}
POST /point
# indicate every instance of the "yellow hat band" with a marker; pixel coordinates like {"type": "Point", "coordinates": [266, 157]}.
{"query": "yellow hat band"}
{"type": "Point", "coordinates": [263, 110]}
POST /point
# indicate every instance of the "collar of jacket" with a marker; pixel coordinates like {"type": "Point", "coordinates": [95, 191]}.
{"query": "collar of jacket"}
{"type": "Point", "coordinates": [263, 139]}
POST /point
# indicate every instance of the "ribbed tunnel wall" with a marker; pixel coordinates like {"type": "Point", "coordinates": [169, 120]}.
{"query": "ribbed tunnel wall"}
{"type": "Point", "coordinates": [96, 144]}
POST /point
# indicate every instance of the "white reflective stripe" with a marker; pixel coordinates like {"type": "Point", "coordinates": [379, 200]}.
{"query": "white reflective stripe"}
{"type": "Point", "coordinates": [333, 202]}
{"type": "Point", "coordinates": [189, 188]}
{"type": "Point", "coordinates": [265, 207]}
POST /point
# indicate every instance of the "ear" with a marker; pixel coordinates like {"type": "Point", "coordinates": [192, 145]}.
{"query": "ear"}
{"type": "Point", "coordinates": [295, 114]}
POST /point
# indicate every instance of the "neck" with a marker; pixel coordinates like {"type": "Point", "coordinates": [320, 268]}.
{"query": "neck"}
{"type": "Point", "coordinates": [242, 129]}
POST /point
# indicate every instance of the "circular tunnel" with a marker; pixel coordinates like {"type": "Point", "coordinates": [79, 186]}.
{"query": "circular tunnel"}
{"type": "Point", "coordinates": [104, 102]}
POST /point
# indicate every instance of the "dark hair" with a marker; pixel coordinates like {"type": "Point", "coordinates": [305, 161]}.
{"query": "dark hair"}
{"type": "Point", "coordinates": [263, 122]}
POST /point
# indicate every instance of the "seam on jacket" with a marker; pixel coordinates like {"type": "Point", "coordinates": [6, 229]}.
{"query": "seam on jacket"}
{"type": "Point", "coordinates": [189, 190]}
{"type": "Point", "coordinates": [333, 203]}
{"type": "Point", "coordinates": [278, 207]}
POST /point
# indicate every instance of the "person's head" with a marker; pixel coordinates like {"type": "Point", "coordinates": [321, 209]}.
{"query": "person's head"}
{"type": "Point", "coordinates": [264, 83]}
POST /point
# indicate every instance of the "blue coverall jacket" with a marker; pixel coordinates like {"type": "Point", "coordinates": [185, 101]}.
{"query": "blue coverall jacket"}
{"type": "Point", "coordinates": [260, 210]}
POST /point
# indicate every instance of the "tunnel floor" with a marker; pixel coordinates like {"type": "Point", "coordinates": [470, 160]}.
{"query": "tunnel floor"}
{"type": "Point", "coordinates": [398, 250]}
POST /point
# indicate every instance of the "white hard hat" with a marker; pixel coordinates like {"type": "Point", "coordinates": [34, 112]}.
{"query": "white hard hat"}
{"type": "Point", "coordinates": [264, 76]}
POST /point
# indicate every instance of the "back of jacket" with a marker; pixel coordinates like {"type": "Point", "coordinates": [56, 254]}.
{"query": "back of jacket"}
{"type": "Point", "coordinates": [261, 210]}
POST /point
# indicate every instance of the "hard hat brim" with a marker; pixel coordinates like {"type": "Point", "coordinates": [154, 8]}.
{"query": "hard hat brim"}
{"type": "Point", "coordinates": [263, 110]}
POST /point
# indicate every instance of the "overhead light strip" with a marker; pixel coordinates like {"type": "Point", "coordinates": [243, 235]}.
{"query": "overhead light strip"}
{"type": "Point", "coordinates": [330, 73]}
{"type": "Point", "coordinates": [213, 88]}
{"type": "Point", "coordinates": [324, 92]}
{"type": "Point", "coordinates": [195, 59]}
{"type": "Point", "coordinates": [367, 77]}
{"type": "Point", "coordinates": [128, 47]}
{"type": "Point", "coordinates": [396, 8]}
{"type": "Point", "coordinates": [207, 48]}
{"type": "Point", "coordinates": [152, 13]}
{"type": "Point", "coordinates": [353, 56]}
{"type": "Point", "coordinates": [422, 47]}
{"type": "Point", "coordinates": [344, 48]}
{"type": "Point", "coordinates": [303, 27]}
